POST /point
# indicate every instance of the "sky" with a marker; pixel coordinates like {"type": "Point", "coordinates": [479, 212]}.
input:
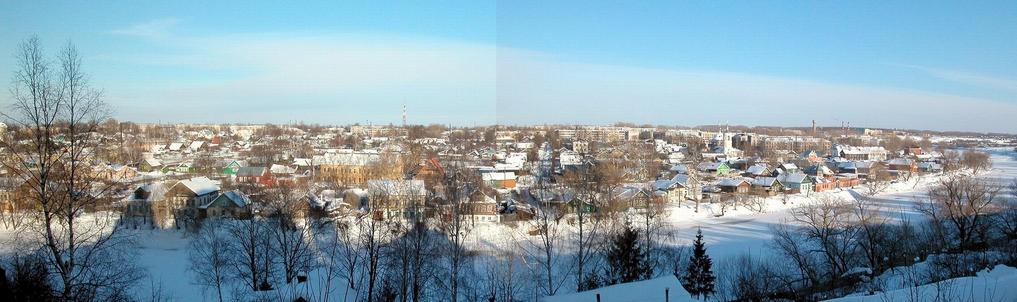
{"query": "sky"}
{"type": "Point", "coordinates": [919, 65]}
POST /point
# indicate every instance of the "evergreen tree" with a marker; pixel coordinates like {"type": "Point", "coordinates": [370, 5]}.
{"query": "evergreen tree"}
{"type": "Point", "coordinates": [700, 280]}
{"type": "Point", "coordinates": [627, 261]}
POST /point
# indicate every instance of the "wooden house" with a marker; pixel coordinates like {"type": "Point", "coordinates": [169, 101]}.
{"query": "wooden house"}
{"type": "Point", "coordinates": [734, 185]}
{"type": "Point", "coordinates": [228, 204]}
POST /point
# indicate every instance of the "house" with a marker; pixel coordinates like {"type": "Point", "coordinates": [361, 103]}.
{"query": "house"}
{"type": "Point", "coordinates": [902, 165]}
{"type": "Point", "coordinates": [913, 151]}
{"type": "Point", "coordinates": [196, 146]}
{"type": "Point", "coordinates": [930, 167]}
{"type": "Point", "coordinates": [691, 183]}
{"type": "Point", "coordinates": [797, 182]}
{"type": "Point", "coordinates": [679, 169]}
{"type": "Point", "coordinates": [175, 147]}
{"type": "Point", "coordinates": [183, 198]}
{"type": "Point", "coordinates": [150, 164]}
{"type": "Point", "coordinates": [115, 173]}
{"type": "Point", "coordinates": [255, 175]}
{"type": "Point", "coordinates": [228, 204]}
{"type": "Point", "coordinates": [499, 180]}
{"type": "Point", "coordinates": [821, 183]}
{"type": "Point", "coordinates": [847, 180]}
{"type": "Point", "coordinates": [183, 167]}
{"type": "Point", "coordinates": [715, 168]}
{"type": "Point", "coordinates": [634, 196]}
{"type": "Point", "coordinates": [810, 156]}
{"type": "Point", "coordinates": [148, 202]}
{"type": "Point", "coordinates": [818, 170]}
{"type": "Point", "coordinates": [767, 185]}
{"type": "Point", "coordinates": [671, 190]}
{"type": "Point", "coordinates": [757, 170]}
{"type": "Point", "coordinates": [281, 170]}
{"type": "Point", "coordinates": [734, 185]}
{"type": "Point", "coordinates": [394, 198]}
{"type": "Point", "coordinates": [13, 194]}
{"type": "Point", "coordinates": [233, 166]}
{"type": "Point", "coordinates": [482, 207]}
{"type": "Point", "coordinates": [788, 168]}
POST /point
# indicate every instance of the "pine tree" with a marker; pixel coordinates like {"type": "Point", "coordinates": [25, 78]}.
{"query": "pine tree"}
{"type": "Point", "coordinates": [700, 279]}
{"type": "Point", "coordinates": [626, 260]}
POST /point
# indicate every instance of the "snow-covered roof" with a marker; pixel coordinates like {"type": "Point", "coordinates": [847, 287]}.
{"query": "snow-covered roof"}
{"type": "Point", "coordinates": [397, 187]}
{"type": "Point", "coordinates": [758, 169]}
{"type": "Point", "coordinates": [151, 162]}
{"type": "Point", "coordinates": [250, 171]}
{"type": "Point", "coordinates": [764, 181]}
{"type": "Point", "coordinates": [732, 181]}
{"type": "Point", "coordinates": [495, 176]}
{"type": "Point", "coordinates": [793, 178]}
{"type": "Point", "coordinates": [200, 185]}
{"type": "Point", "coordinates": [234, 196]}
{"type": "Point", "coordinates": [281, 169]}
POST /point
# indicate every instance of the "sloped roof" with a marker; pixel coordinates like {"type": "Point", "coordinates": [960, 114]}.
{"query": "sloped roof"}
{"type": "Point", "coordinates": [200, 185]}
{"type": "Point", "coordinates": [795, 178]}
{"type": "Point", "coordinates": [236, 197]}
{"type": "Point", "coordinates": [731, 181]}
{"type": "Point", "coordinates": [764, 181]}
{"type": "Point", "coordinates": [758, 169]}
{"type": "Point", "coordinates": [250, 171]}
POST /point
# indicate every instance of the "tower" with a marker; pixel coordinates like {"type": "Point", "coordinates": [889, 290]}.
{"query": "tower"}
{"type": "Point", "coordinates": [404, 115]}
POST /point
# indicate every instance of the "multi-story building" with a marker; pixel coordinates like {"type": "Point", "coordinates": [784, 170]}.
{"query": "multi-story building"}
{"type": "Point", "coordinates": [859, 153]}
{"type": "Point", "coordinates": [355, 168]}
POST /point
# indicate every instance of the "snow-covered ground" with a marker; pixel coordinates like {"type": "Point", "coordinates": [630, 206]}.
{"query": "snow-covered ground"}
{"type": "Point", "coordinates": [990, 285]}
{"type": "Point", "coordinates": [641, 291]}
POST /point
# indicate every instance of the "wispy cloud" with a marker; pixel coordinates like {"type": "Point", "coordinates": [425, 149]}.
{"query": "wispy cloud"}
{"type": "Point", "coordinates": [969, 78]}
{"type": "Point", "coordinates": [341, 78]}
{"type": "Point", "coordinates": [156, 28]}
{"type": "Point", "coordinates": [540, 88]}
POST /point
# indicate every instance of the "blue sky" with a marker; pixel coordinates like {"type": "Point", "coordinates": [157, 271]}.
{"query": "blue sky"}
{"type": "Point", "coordinates": [931, 65]}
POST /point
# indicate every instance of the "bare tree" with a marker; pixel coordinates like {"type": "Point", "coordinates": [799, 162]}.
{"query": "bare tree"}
{"type": "Point", "coordinates": [589, 191]}
{"type": "Point", "coordinates": [327, 252]}
{"type": "Point", "coordinates": [976, 161]}
{"type": "Point", "coordinates": [60, 113]}
{"type": "Point", "coordinates": [963, 203]}
{"type": "Point", "coordinates": [209, 258]}
{"type": "Point", "coordinates": [456, 222]}
{"type": "Point", "coordinates": [251, 246]}
{"type": "Point", "coordinates": [878, 179]}
{"type": "Point", "coordinates": [290, 234]}
{"type": "Point", "coordinates": [1007, 218]}
{"type": "Point", "coordinates": [826, 224]}
{"type": "Point", "coordinates": [792, 244]}
{"type": "Point", "coordinates": [545, 256]}
{"type": "Point", "coordinates": [874, 236]}
{"type": "Point", "coordinates": [410, 255]}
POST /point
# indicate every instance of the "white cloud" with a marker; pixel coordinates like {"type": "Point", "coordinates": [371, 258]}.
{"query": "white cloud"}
{"type": "Point", "coordinates": [156, 28]}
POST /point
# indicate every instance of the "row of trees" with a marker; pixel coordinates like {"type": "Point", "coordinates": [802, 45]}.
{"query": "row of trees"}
{"type": "Point", "coordinates": [827, 242]}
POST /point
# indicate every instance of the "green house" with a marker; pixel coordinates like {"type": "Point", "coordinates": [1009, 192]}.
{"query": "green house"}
{"type": "Point", "coordinates": [716, 168]}
{"type": "Point", "coordinates": [231, 168]}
